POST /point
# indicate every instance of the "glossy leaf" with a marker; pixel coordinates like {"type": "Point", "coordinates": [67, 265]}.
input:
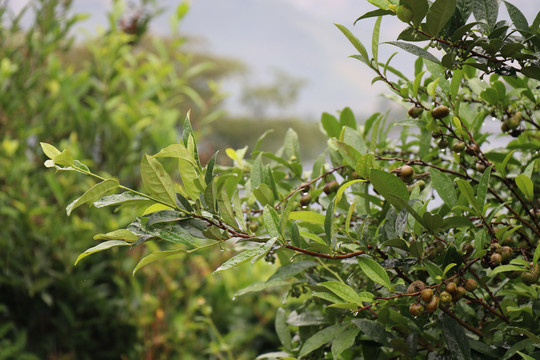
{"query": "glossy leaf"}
{"type": "Point", "coordinates": [456, 340]}
{"type": "Point", "coordinates": [282, 329]}
{"type": "Point", "coordinates": [125, 198]}
{"type": "Point", "coordinates": [319, 339]}
{"type": "Point", "coordinates": [120, 234]}
{"type": "Point", "coordinates": [525, 185]}
{"type": "Point", "coordinates": [374, 271]}
{"type": "Point", "coordinates": [415, 50]}
{"type": "Point", "coordinates": [444, 187]}
{"type": "Point", "coordinates": [156, 256]}
{"type": "Point", "coordinates": [102, 246]}
{"type": "Point", "coordinates": [307, 216]}
{"type": "Point", "coordinates": [438, 15]}
{"type": "Point", "coordinates": [156, 180]}
{"type": "Point", "coordinates": [93, 194]}
{"type": "Point", "coordinates": [354, 40]}
{"type": "Point", "coordinates": [344, 340]}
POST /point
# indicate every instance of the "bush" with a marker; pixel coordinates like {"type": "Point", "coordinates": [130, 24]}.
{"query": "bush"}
{"type": "Point", "coordinates": [425, 246]}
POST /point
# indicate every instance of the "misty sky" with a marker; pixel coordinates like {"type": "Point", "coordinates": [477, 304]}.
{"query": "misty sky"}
{"type": "Point", "coordinates": [297, 36]}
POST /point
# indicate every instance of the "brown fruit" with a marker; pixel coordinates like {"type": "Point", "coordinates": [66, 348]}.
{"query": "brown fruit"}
{"type": "Point", "coordinates": [440, 112]}
{"type": "Point", "coordinates": [472, 149]}
{"type": "Point", "coordinates": [496, 259]}
{"type": "Point", "coordinates": [470, 284]}
{"type": "Point", "coordinates": [480, 166]}
{"type": "Point", "coordinates": [451, 288]}
{"type": "Point", "coordinates": [305, 199]}
{"type": "Point", "coordinates": [416, 309]}
{"type": "Point", "coordinates": [426, 295]}
{"type": "Point", "coordinates": [415, 111]}
{"type": "Point", "coordinates": [416, 286]}
{"type": "Point", "coordinates": [460, 291]}
{"type": "Point", "coordinates": [404, 13]}
{"type": "Point", "coordinates": [458, 147]}
{"type": "Point", "coordinates": [406, 173]}
{"type": "Point", "coordinates": [467, 249]}
{"type": "Point", "coordinates": [433, 304]}
{"type": "Point", "coordinates": [445, 297]}
{"type": "Point", "coordinates": [331, 187]}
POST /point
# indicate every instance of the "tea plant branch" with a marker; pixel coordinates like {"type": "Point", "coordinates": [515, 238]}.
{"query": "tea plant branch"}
{"type": "Point", "coordinates": [461, 322]}
{"type": "Point", "coordinates": [326, 256]}
{"type": "Point", "coordinates": [307, 184]}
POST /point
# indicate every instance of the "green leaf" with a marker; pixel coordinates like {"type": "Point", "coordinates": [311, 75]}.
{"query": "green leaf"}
{"type": "Point", "coordinates": [102, 246]}
{"type": "Point", "coordinates": [344, 340]}
{"type": "Point", "coordinates": [307, 216]}
{"type": "Point", "coordinates": [49, 150]}
{"type": "Point", "coordinates": [319, 339]}
{"type": "Point", "coordinates": [282, 329]}
{"type": "Point", "coordinates": [374, 13]}
{"type": "Point", "coordinates": [346, 118]}
{"type": "Point", "coordinates": [342, 189]}
{"type": "Point", "coordinates": [345, 292]}
{"type": "Point", "coordinates": [438, 15]}
{"type": "Point", "coordinates": [525, 356]}
{"type": "Point", "coordinates": [526, 186]}
{"type": "Point", "coordinates": [331, 125]}
{"type": "Point", "coordinates": [329, 227]}
{"type": "Point", "coordinates": [415, 50]}
{"type": "Point", "coordinates": [419, 9]}
{"type": "Point", "coordinates": [156, 181]}
{"type": "Point", "coordinates": [209, 175]}
{"type": "Point", "coordinates": [260, 286]}
{"type": "Point", "coordinates": [387, 184]}
{"type": "Point", "coordinates": [468, 192]}
{"type": "Point", "coordinates": [444, 187]}
{"type": "Point", "coordinates": [271, 221]}
{"type": "Point", "coordinates": [374, 271]}
{"type": "Point", "coordinates": [434, 271]}
{"type": "Point", "coordinates": [456, 340]}
{"type": "Point", "coordinates": [120, 234]}
{"type": "Point", "coordinates": [482, 188]}
{"type": "Point", "coordinates": [124, 198]}
{"type": "Point", "coordinates": [291, 145]}
{"type": "Point", "coordinates": [263, 250]}
{"type": "Point", "coordinates": [356, 43]}
{"type": "Point", "coordinates": [375, 40]}
{"type": "Point", "coordinates": [536, 255]}
{"type": "Point", "coordinates": [156, 256]}
{"type": "Point", "coordinates": [373, 331]}
{"type": "Point", "coordinates": [486, 11]}
{"type": "Point", "coordinates": [238, 259]}
{"type": "Point", "coordinates": [177, 151]}
{"type": "Point", "coordinates": [290, 270]}
{"type": "Point", "coordinates": [264, 194]}
{"type": "Point", "coordinates": [504, 268]}
{"type": "Point", "coordinates": [93, 194]}
{"type": "Point", "coordinates": [519, 20]}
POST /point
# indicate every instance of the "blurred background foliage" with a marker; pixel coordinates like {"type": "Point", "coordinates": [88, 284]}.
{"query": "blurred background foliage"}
{"type": "Point", "coordinates": [121, 91]}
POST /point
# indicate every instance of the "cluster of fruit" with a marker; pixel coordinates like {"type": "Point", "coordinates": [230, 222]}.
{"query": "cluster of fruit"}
{"type": "Point", "coordinates": [452, 293]}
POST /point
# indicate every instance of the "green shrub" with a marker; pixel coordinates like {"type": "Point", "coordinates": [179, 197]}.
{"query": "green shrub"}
{"type": "Point", "coordinates": [421, 247]}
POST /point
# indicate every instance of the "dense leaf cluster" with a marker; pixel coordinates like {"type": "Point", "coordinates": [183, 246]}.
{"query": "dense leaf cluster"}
{"type": "Point", "coordinates": [414, 237]}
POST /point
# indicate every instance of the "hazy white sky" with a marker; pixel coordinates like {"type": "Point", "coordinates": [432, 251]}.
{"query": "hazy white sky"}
{"type": "Point", "coordinates": [297, 36]}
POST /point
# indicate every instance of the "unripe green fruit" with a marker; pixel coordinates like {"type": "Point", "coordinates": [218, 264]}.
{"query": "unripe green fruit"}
{"type": "Point", "coordinates": [433, 304]}
{"type": "Point", "coordinates": [504, 127]}
{"type": "Point", "coordinates": [496, 259]}
{"type": "Point", "coordinates": [426, 295]}
{"type": "Point", "coordinates": [507, 253]}
{"type": "Point", "coordinates": [445, 297]}
{"type": "Point", "coordinates": [440, 112]}
{"type": "Point", "coordinates": [355, 175]}
{"type": "Point", "coordinates": [529, 278]}
{"type": "Point", "coordinates": [331, 187]}
{"type": "Point", "coordinates": [415, 111]}
{"type": "Point", "coordinates": [407, 173]}
{"type": "Point", "coordinates": [305, 199]}
{"type": "Point", "coordinates": [443, 143]}
{"type": "Point", "coordinates": [451, 288]}
{"type": "Point", "coordinates": [253, 226]}
{"type": "Point", "coordinates": [404, 13]}
{"type": "Point", "coordinates": [416, 286]}
{"type": "Point", "coordinates": [512, 122]}
{"type": "Point", "coordinates": [470, 284]}
{"type": "Point", "coordinates": [480, 167]}
{"type": "Point", "coordinates": [416, 309]}
{"type": "Point", "coordinates": [458, 147]}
